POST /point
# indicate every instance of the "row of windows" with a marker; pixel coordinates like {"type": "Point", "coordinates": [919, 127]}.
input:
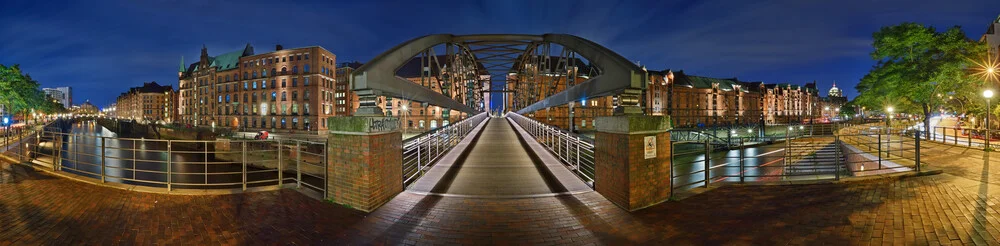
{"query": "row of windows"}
{"type": "Point", "coordinates": [272, 60]}
{"type": "Point", "coordinates": [274, 96]}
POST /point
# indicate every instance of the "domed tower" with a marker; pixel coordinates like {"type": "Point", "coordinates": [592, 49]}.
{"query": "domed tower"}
{"type": "Point", "coordinates": [834, 92]}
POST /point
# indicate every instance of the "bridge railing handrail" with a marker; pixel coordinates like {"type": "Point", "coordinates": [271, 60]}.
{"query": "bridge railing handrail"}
{"type": "Point", "coordinates": [576, 152]}
{"type": "Point", "coordinates": [152, 162]}
{"type": "Point", "coordinates": [422, 151]}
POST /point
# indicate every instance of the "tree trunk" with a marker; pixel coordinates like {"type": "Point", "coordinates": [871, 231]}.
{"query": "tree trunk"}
{"type": "Point", "coordinates": [927, 121]}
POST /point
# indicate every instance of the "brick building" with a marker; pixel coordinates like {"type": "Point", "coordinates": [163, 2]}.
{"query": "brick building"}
{"type": "Point", "coordinates": [286, 90]}
{"type": "Point", "coordinates": [149, 102]}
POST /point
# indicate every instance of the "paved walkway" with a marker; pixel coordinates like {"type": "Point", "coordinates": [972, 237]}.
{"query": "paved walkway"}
{"type": "Point", "coordinates": [958, 207]}
{"type": "Point", "coordinates": [501, 163]}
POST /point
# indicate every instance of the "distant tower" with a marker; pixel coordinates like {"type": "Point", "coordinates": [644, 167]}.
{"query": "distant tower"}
{"type": "Point", "coordinates": [834, 92]}
{"type": "Point", "coordinates": [180, 70]}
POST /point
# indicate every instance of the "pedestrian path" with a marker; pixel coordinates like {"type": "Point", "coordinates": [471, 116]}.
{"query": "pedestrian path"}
{"type": "Point", "coordinates": [499, 162]}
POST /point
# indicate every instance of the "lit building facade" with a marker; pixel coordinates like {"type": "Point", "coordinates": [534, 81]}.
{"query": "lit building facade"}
{"type": "Point", "coordinates": [287, 90]}
{"type": "Point", "coordinates": [992, 37]}
{"type": "Point", "coordinates": [62, 95]}
{"type": "Point", "coordinates": [150, 102]}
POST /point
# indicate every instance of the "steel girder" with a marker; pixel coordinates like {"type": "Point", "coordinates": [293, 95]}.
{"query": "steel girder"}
{"type": "Point", "coordinates": [378, 76]}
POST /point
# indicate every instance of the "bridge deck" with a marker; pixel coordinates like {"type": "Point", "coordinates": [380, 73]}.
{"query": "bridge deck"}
{"type": "Point", "coordinates": [501, 162]}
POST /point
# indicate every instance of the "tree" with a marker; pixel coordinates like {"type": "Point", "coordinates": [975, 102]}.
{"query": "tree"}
{"type": "Point", "coordinates": [914, 63]}
{"type": "Point", "coordinates": [18, 92]}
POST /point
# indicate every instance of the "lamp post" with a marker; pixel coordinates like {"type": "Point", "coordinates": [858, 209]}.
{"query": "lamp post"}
{"type": "Point", "coordinates": [403, 124]}
{"type": "Point", "coordinates": [888, 118]}
{"type": "Point", "coordinates": [988, 94]}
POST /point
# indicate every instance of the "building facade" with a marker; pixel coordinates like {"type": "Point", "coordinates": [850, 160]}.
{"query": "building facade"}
{"type": "Point", "coordinates": [286, 90]}
{"type": "Point", "coordinates": [992, 37]}
{"type": "Point", "coordinates": [62, 95]}
{"type": "Point", "coordinates": [150, 102]}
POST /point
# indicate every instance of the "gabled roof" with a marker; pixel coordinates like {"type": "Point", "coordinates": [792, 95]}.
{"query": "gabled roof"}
{"type": "Point", "coordinates": [706, 82]}
{"type": "Point", "coordinates": [230, 60]}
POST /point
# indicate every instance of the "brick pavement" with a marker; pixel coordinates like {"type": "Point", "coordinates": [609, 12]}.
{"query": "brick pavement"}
{"type": "Point", "coordinates": [40, 209]}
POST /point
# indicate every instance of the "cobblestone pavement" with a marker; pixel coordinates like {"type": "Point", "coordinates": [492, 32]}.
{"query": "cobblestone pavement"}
{"type": "Point", "coordinates": [36, 208]}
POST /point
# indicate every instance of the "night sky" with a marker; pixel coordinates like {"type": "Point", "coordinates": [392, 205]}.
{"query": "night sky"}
{"type": "Point", "coordinates": [101, 48]}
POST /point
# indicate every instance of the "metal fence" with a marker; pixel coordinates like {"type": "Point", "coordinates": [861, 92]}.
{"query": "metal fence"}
{"type": "Point", "coordinates": [422, 151]}
{"type": "Point", "coordinates": [973, 138]}
{"type": "Point", "coordinates": [575, 151]}
{"type": "Point", "coordinates": [825, 152]}
{"type": "Point", "coordinates": [179, 164]}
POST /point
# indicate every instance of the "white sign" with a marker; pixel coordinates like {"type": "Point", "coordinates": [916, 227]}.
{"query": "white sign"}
{"type": "Point", "coordinates": [649, 143]}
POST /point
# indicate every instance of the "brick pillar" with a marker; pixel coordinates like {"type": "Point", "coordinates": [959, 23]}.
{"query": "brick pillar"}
{"type": "Point", "coordinates": [626, 174]}
{"type": "Point", "coordinates": [365, 156]}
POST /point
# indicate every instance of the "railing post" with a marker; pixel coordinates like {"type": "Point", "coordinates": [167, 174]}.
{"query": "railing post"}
{"type": "Point", "coordinates": [169, 164]}
{"type": "Point", "coordinates": [243, 160]}
{"type": "Point", "coordinates": [205, 163]}
{"type": "Point", "coordinates": [708, 156]}
{"type": "Point", "coordinates": [103, 161]}
{"type": "Point", "coordinates": [281, 171]}
{"type": "Point", "coordinates": [578, 143]}
{"type": "Point", "coordinates": [326, 174]}
{"type": "Point", "coordinates": [298, 164]}
{"type": "Point", "coordinates": [133, 159]}
{"type": "Point", "coordinates": [837, 156]}
{"type": "Point", "coordinates": [420, 165]}
{"type": "Point", "coordinates": [880, 150]}
{"type": "Point", "coordinates": [916, 151]}
{"type": "Point", "coordinates": [742, 160]}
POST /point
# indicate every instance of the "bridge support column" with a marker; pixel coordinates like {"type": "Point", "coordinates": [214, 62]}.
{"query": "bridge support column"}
{"type": "Point", "coordinates": [632, 155]}
{"type": "Point", "coordinates": [364, 161]}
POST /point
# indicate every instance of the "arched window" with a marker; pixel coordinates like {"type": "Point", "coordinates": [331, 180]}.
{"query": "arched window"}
{"type": "Point", "coordinates": [284, 70]}
{"type": "Point", "coordinates": [421, 123]}
{"type": "Point", "coordinates": [305, 81]}
{"type": "Point", "coordinates": [434, 124]}
{"type": "Point", "coordinates": [227, 98]}
{"type": "Point", "coordinates": [273, 72]}
{"type": "Point", "coordinates": [244, 75]}
{"type": "Point", "coordinates": [305, 96]}
{"type": "Point", "coordinates": [295, 82]}
{"type": "Point", "coordinates": [244, 97]}
{"type": "Point", "coordinates": [254, 75]}
{"type": "Point", "coordinates": [227, 78]}
{"type": "Point", "coordinates": [263, 73]}
{"type": "Point", "coordinates": [272, 84]}
{"type": "Point", "coordinates": [305, 68]}
{"type": "Point", "coordinates": [283, 125]}
{"type": "Point", "coordinates": [295, 69]}
{"type": "Point", "coordinates": [295, 108]}
{"type": "Point", "coordinates": [295, 123]}
{"type": "Point", "coordinates": [220, 98]}
{"type": "Point", "coordinates": [306, 124]}
{"type": "Point", "coordinates": [274, 96]}
{"type": "Point", "coordinates": [305, 109]}
{"type": "Point", "coordinates": [254, 98]}
{"type": "Point", "coordinates": [295, 95]}
{"type": "Point", "coordinates": [272, 122]}
{"type": "Point", "coordinates": [254, 85]}
{"type": "Point", "coordinates": [283, 94]}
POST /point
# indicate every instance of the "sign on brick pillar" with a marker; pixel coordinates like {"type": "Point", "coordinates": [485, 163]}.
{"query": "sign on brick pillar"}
{"type": "Point", "coordinates": [365, 156]}
{"type": "Point", "coordinates": [632, 155]}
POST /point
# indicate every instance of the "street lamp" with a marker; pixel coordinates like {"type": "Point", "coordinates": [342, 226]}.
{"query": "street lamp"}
{"type": "Point", "coordinates": [988, 94]}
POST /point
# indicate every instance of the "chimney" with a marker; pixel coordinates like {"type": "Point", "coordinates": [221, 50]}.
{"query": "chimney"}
{"type": "Point", "coordinates": [278, 47]}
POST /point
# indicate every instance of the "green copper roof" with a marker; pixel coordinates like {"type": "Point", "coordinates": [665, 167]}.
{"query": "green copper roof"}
{"type": "Point", "coordinates": [231, 60]}
{"type": "Point", "coordinates": [181, 69]}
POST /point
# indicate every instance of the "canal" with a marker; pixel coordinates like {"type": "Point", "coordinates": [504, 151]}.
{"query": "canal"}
{"type": "Point", "coordinates": [146, 162]}
{"type": "Point", "coordinates": [724, 165]}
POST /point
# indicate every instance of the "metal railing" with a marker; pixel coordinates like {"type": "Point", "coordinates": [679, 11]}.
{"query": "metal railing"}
{"type": "Point", "coordinates": [422, 151]}
{"type": "Point", "coordinates": [973, 138]}
{"type": "Point", "coordinates": [843, 150]}
{"type": "Point", "coordinates": [180, 164]}
{"type": "Point", "coordinates": [576, 152]}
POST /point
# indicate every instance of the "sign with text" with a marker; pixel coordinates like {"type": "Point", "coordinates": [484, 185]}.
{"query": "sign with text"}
{"type": "Point", "coordinates": [649, 143]}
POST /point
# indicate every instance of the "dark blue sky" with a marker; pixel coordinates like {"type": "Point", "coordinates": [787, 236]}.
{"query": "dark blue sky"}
{"type": "Point", "coordinates": [100, 48]}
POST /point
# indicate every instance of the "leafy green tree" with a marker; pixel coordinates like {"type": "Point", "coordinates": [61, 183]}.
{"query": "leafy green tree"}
{"type": "Point", "coordinates": [914, 63]}
{"type": "Point", "coordinates": [19, 93]}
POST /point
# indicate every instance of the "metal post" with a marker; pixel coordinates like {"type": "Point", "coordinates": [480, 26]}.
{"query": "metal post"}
{"type": "Point", "coordinates": [578, 143]}
{"type": "Point", "coordinates": [133, 159]}
{"type": "Point", "coordinates": [880, 150]}
{"type": "Point", "coordinates": [326, 178]}
{"type": "Point", "coordinates": [103, 161]}
{"type": "Point", "coordinates": [708, 155]}
{"type": "Point", "coordinates": [281, 171]}
{"type": "Point", "coordinates": [837, 156]}
{"type": "Point", "coordinates": [206, 162]}
{"type": "Point", "coordinates": [244, 161]}
{"type": "Point", "coordinates": [298, 164]}
{"type": "Point", "coordinates": [420, 165]}
{"type": "Point", "coordinates": [169, 164]}
{"type": "Point", "coordinates": [916, 151]}
{"type": "Point", "coordinates": [672, 161]}
{"type": "Point", "coordinates": [742, 160]}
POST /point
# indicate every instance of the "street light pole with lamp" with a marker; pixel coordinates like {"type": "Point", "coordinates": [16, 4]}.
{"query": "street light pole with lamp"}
{"type": "Point", "coordinates": [988, 94]}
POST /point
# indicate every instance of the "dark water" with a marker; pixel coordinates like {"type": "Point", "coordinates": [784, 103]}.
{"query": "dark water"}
{"type": "Point", "coordinates": [689, 164]}
{"type": "Point", "coordinates": [145, 162]}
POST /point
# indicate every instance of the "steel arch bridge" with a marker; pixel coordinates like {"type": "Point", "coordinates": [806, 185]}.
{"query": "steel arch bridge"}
{"type": "Point", "coordinates": [540, 71]}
